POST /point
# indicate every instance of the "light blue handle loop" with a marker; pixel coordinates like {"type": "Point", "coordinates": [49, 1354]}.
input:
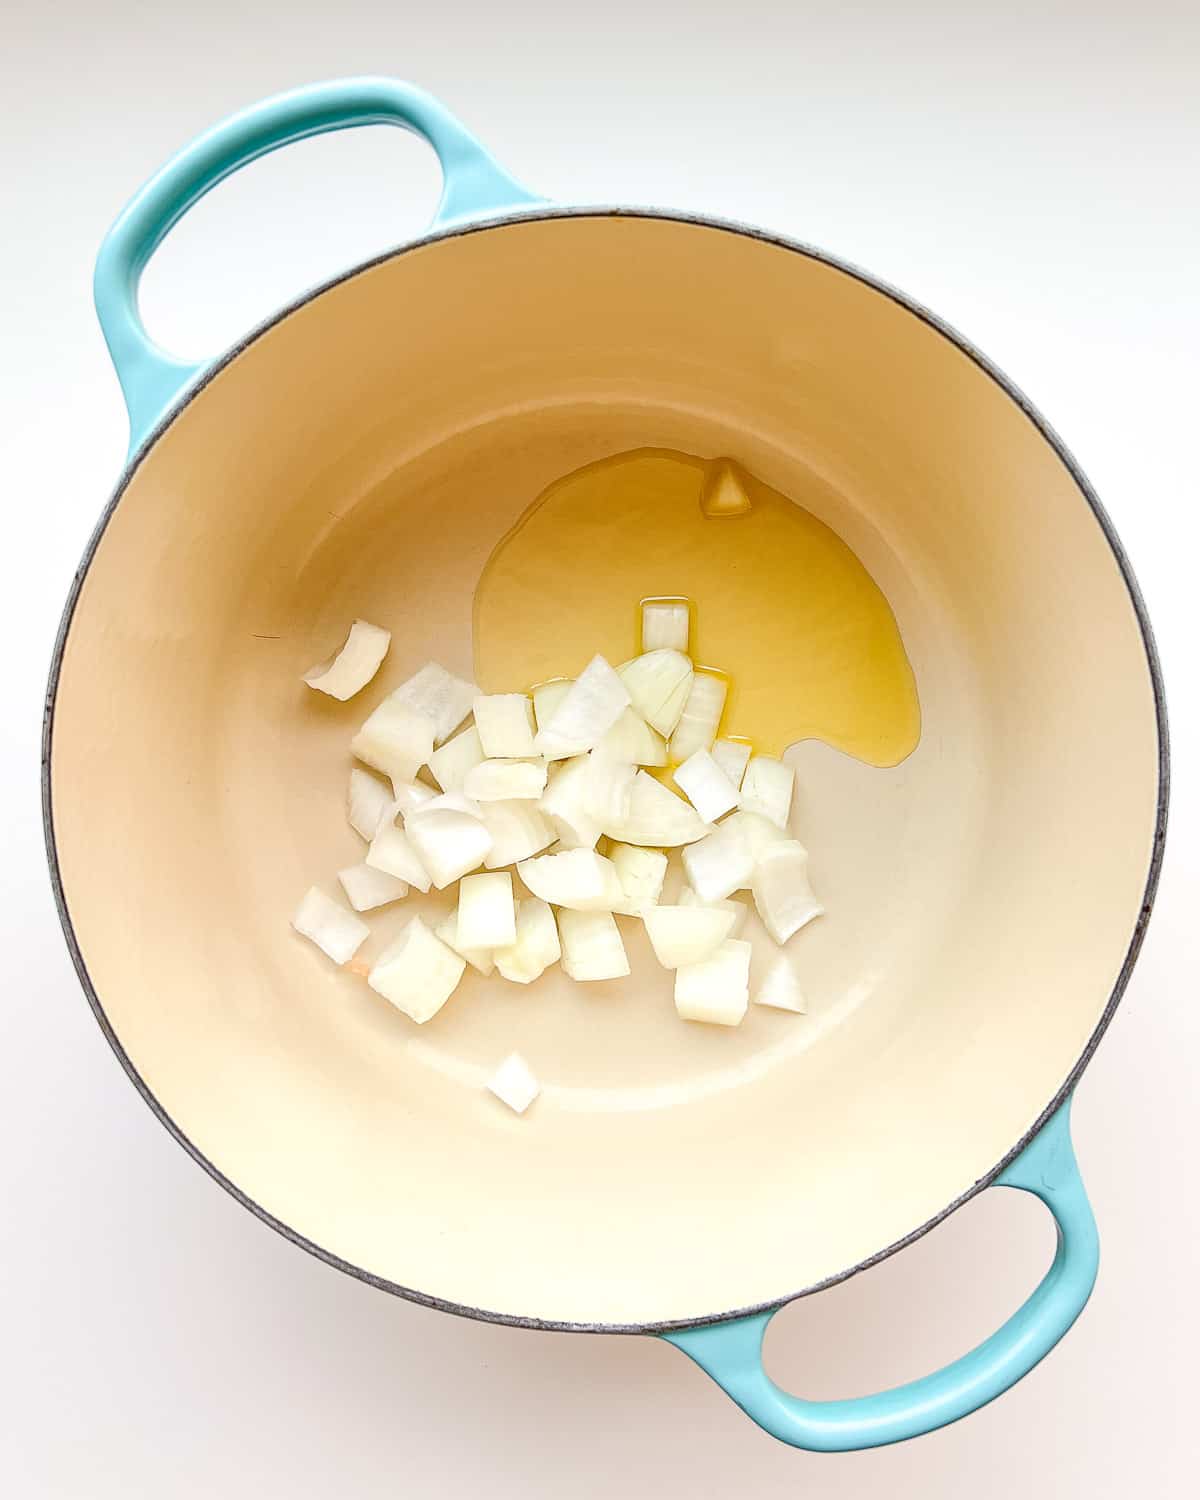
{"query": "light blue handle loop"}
{"type": "Point", "coordinates": [732, 1352]}
{"type": "Point", "coordinates": [150, 378]}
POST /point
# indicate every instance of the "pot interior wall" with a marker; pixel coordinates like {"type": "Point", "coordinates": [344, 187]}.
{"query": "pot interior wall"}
{"type": "Point", "coordinates": [361, 458]}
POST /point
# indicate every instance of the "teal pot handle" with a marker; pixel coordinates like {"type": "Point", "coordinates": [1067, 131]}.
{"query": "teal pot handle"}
{"type": "Point", "coordinates": [152, 380]}
{"type": "Point", "coordinates": [732, 1352]}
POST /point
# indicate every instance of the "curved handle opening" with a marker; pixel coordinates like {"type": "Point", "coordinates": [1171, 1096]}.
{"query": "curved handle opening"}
{"type": "Point", "coordinates": [152, 379]}
{"type": "Point", "coordinates": [732, 1352]}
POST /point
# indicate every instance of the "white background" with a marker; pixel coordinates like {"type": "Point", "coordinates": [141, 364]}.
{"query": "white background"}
{"type": "Point", "coordinates": [1032, 176]}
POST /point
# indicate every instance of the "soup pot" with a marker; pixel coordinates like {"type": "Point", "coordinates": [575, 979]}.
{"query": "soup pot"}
{"type": "Point", "coordinates": [361, 454]}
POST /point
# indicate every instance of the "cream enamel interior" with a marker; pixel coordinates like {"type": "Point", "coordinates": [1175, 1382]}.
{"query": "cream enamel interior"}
{"type": "Point", "coordinates": [361, 458]}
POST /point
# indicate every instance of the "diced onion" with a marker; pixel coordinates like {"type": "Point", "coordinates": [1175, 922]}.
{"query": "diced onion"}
{"type": "Point", "coordinates": [658, 683]}
{"type": "Point", "coordinates": [546, 698]}
{"type": "Point", "coordinates": [631, 739]}
{"type": "Point", "coordinates": [396, 739]}
{"type": "Point", "coordinates": [393, 853]}
{"type": "Point", "coordinates": [701, 715]}
{"type": "Point", "coordinates": [718, 989]}
{"type": "Point", "coordinates": [767, 789]}
{"type": "Point", "coordinates": [450, 841]}
{"type": "Point", "coordinates": [487, 917]}
{"type": "Point", "coordinates": [367, 888]}
{"type": "Point", "coordinates": [782, 892]}
{"type": "Point", "coordinates": [641, 872]}
{"type": "Point", "coordinates": [440, 696]}
{"type": "Point", "coordinates": [418, 973]}
{"type": "Point", "coordinates": [451, 762]}
{"type": "Point", "coordinates": [731, 756]}
{"type": "Point", "coordinates": [591, 946]}
{"type": "Point", "coordinates": [480, 959]}
{"type": "Point", "coordinates": [536, 947]}
{"type": "Point", "coordinates": [518, 831]}
{"type": "Point", "coordinates": [589, 709]}
{"type": "Point", "coordinates": [368, 803]}
{"type": "Point", "coordinates": [506, 781]}
{"type": "Point", "coordinates": [664, 624]}
{"type": "Point", "coordinates": [349, 671]}
{"type": "Point", "coordinates": [780, 988]}
{"type": "Point", "coordinates": [505, 725]}
{"type": "Point", "coordinates": [719, 864]}
{"type": "Point", "coordinates": [683, 935]}
{"type": "Point", "coordinates": [657, 817]}
{"type": "Point", "coordinates": [513, 1083]}
{"type": "Point", "coordinates": [706, 786]}
{"type": "Point", "coordinates": [736, 909]}
{"type": "Point", "coordinates": [338, 933]}
{"type": "Point", "coordinates": [579, 879]}
{"type": "Point", "coordinates": [567, 803]}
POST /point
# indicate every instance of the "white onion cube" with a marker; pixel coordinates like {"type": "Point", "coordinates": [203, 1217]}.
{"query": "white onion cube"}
{"type": "Point", "coordinates": [658, 683]}
{"type": "Point", "coordinates": [451, 762]}
{"type": "Point", "coordinates": [368, 803]}
{"type": "Point", "coordinates": [608, 788]}
{"type": "Point", "coordinates": [518, 831]}
{"type": "Point", "coordinates": [731, 756]}
{"type": "Point", "coordinates": [589, 709]}
{"type": "Point", "coordinates": [757, 832]}
{"type": "Point", "coordinates": [767, 789]}
{"type": "Point", "coordinates": [351, 668]}
{"type": "Point", "coordinates": [409, 794]}
{"type": "Point", "coordinates": [683, 935]}
{"type": "Point", "coordinates": [536, 947]}
{"type": "Point", "coordinates": [392, 853]}
{"type": "Point", "coordinates": [505, 725]}
{"type": "Point", "coordinates": [736, 909]}
{"type": "Point", "coordinates": [449, 842]}
{"type": "Point", "coordinates": [338, 933]}
{"type": "Point", "coordinates": [397, 738]}
{"type": "Point", "coordinates": [591, 946]}
{"type": "Point", "coordinates": [579, 879]}
{"type": "Point", "coordinates": [443, 698]}
{"type": "Point", "coordinates": [782, 892]}
{"type": "Point", "coordinates": [631, 739]}
{"type": "Point", "coordinates": [719, 864]}
{"type": "Point", "coordinates": [641, 872]}
{"type": "Point", "coordinates": [487, 917]}
{"type": "Point", "coordinates": [780, 989]}
{"type": "Point", "coordinates": [657, 817]}
{"type": "Point", "coordinates": [418, 973]}
{"type": "Point", "coordinates": [567, 803]}
{"type": "Point", "coordinates": [706, 786]}
{"type": "Point", "coordinates": [367, 888]}
{"type": "Point", "coordinates": [546, 699]}
{"type": "Point", "coordinates": [717, 990]}
{"type": "Point", "coordinates": [506, 781]}
{"type": "Point", "coordinates": [701, 717]}
{"type": "Point", "coordinates": [513, 1083]}
{"type": "Point", "coordinates": [480, 959]}
{"type": "Point", "coordinates": [665, 624]}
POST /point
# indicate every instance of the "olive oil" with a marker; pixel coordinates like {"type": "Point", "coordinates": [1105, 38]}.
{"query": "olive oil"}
{"type": "Point", "coordinates": [779, 603]}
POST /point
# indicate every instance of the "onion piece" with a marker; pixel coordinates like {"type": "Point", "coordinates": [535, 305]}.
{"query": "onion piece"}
{"type": "Point", "coordinates": [505, 725]}
{"type": "Point", "coordinates": [392, 853]}
{"type": "Point", "coordinates": [737, 909]}
{"type": "Point", "coordinates": [440, 696]}
{"type": "Point", "coordinates": [410, 794]}
{"type": "Point", "coordinates": [780, 988]}
{"type": "Point", "coordinates": [757, 832]}
{"type": "Point", "coordinates": [589, 709]}
{"type": "Point", "coordinates": [724, 492]}
{"type": "Point", "coordinates": [566, 802]}
{"type": "Point", "coordinates": [418, 973]}
{"type": "Point", "coordinates": [664, 624]}
{"type": "Point", "coordinates": [367, 803]}
{"type": "Point", "coordinates": [487, 917]}
{"type": "Point", "coordinates": [591, 946]}
{"type": "Point", "coordinates": [782, 892]}
{"type": "Point", "coordinates": [518, 830]}
{"type": "Point", "coordinates": [767, 789]}
{"type": "Point", "coordinates": [683, 935]}
{"type": "Point", "coordinates": [731, 756]}
{"type": "Point", "coordinates": [719, 864]}
{"type": "Point", "coordinates": [701, 717]}
{"type": "Point", "coordinates": [706, 786]}
{"type": "Point", "coordinates": [641, 873]}
{"type": "Point", "coordinates": [547, 697]}
{"type": "Point", "coordinates": [506, 781]}
{"type": "Point", "coordinates": [718, 989]}
{"type": "Point", "coordinates": [658, 683]}
{"type": "Point", "coordinates": [536, 947]}
{"type": "Point", "coordinates": [449, 837]}
{"type": "Point", "coordinates": [451, 761]}
{"type": "Point", "coordinates": [481, 959]}
{"type": "Point", "coordinates": [338, 933]}
{"type": "Point", "coordinates": [579, 879]}
{"type": "Point", "coordinates": [632, 739]}
{"type": "Point", "coordinates": [513, 1083]}
{"type": "Point", "coordinates": [657, 817]}
{"type": "Point", "coordinates": [367, 888]}
{"type": "Point", "coordinates": [349, 670]}
{"type": "Point", "coordinates": [397, 739]}
{"type": "Point", "coordinates": [608, 788]}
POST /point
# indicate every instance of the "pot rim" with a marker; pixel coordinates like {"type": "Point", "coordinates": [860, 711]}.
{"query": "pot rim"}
{"type": "Point", "coordinates": [482, 225]}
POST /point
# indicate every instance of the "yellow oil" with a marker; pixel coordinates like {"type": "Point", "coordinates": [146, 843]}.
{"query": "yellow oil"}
{"type": "Point", "coordinates": [779, 603]}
